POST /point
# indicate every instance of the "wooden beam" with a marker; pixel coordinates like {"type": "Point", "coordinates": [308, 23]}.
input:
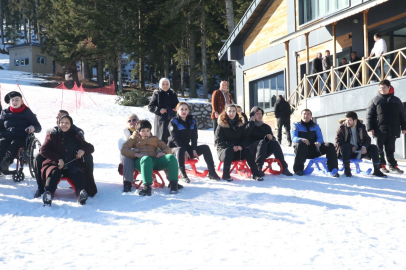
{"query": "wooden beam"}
{"type": "Point", "coordinates": [307, 54]}
{"type": "Point", "coordinates": [387, 20]}
{"type": "Point", "coordinates": [366, 47]}
{"type": "Point", "coordinates": [334, 45]}
{"type": "Point", "coordinates": [287, 93]}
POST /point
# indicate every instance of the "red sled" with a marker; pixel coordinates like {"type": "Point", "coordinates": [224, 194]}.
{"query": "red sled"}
{"type": "Point", "coordinates": [269, 168]}
{"type": "Point", "coordinates": [240, 167]}
{"type": "Point", "coordinates": [192, 163]}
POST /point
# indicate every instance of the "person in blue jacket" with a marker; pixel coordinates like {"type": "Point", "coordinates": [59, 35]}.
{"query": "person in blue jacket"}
{"type": "Point", "coordinates": [308, 143]}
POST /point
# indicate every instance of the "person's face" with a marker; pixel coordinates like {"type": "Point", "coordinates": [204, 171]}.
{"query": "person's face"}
{"type": "Point", "coordinates": [351, 123]}
{"type": "Point", "coordinates": [131, 121]}
{"type": "Point", "coordinates": [376, 38]}
{"type": "Point", "coordinates": [64, 124]}
{"type": "Point", "coordinates": [258, 116]}
{"type": "Point", "coordinates": [183, 111]}
{"type": "Point", "coordinates": [145, 132]}
{"type": "Point", "coordinates": [319, 55]}
{"type": "Point", "coordinates": [239, 109]}
{"type": "Point", "coordinates": [306, 116]}
{"type": "Point", "coordinates": [353, 55]}
{"type": "Point", "coordinates": [231, 112]}
{"type": "Point", "coordinates": [165, 85]}
{"type": "Point", "coordinates": [383, 89]}
{"type": "Point", "coordinates": [16, 102]}
{"type": "Point", "coordinates": [344, 61]}
{"type": "Point", "coordinates": [223, 86]}
{"type": "Point", "coordinates": [328, 54]}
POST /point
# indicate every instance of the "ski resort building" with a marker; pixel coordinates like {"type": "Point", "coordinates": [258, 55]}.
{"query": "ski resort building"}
{"type": "Point", "coordinates": [276, 41]}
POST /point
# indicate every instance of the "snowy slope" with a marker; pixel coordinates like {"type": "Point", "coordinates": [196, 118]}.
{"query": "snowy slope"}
{"type": "Point", "coordinates": [309, 222]}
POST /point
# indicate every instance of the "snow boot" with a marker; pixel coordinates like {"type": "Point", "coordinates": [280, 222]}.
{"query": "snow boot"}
{"type": "Point", "coordinates": [260, 172]}
{"type": "Point", "coordinates": [82, 197]}
{"type": "Point", "coordinates": [377, 172]}
{"type": "Point", "coordinates": [336, 175]}
{"type": "Point", "coordinates": [183, 175]}
{"type": "Point", "coordinates": [4, 165]}
{"type": "Point", "coordinates": [179, 185]}
{"type": "Point", "coordinates": [173, 185]}
{"type": "Point", "coordinates": [286, 171]}
{"type": "Point", "coordinates": [226, 174]}
{"type": "Point", "coordinates": [146, 191]}
{"type": "Point", "coordinates": [212, 173]}
{"type": "Point", "coordinates": [383, 169]}
{"type": "Point", "coordinates": [395, 169]}
{"type": "Point", "coordinates": [300, 173]}
{"type": "Point", "coordinates": [47, 198]}
{"type": "Point", "coordinates": [38, 193]}
{"type": "Point", "coordinates": [127, 186]}
{"type": "Point", "coordinates": [347, 170]}
{"type": "Point", "coordinates": [258, 178]}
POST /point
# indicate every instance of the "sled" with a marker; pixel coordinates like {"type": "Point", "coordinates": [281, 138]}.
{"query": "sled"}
{"type": "Point", "coordinates": [358, 170]}
{"type": "Point", "coordinates": [192, 163]}
{"type": "Point", "coordinates": [240, 167]}
{"type": "Point", "coordinates": [269, 168]}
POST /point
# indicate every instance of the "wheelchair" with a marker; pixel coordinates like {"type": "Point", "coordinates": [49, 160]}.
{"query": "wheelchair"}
{"type": "Point", "coordinates": [26, 156]}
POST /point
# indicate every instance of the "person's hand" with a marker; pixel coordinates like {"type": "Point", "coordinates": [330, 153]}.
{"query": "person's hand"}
{"type": "Point", "coordinates": [80, 153]}
{"type": "Point", "coordinates": [162, 111]}
{"type": "Point", "coordinates": [270, 137]}
{"type": "Point", "coordinates": [372, 132]}
{"type": "Point", "coordinates": [235, 148]}
{"type": "Point", "coordinates": [354, 149]}
{"type": "Point", "coordinates": [403, 131]}
{"type": "Point", "coordinates": [363, 150]}
{"type": "Point", "coordinates": [61, 164]}
{"type": "Point", "coordinates": [306, 141]}
{"type": "Point", "coordinates": [137, 150]}
{"type": "Point", "coordinates": [216, 114]}
{"type": "Point", "coordinates": [195, 154]}
{"type": "Point", "coordinates": [174, 109]}
{"type": "Point", "coordinates": [239, 148]}
{"type": "Point", "coordinates": [252, 118]}
{"type": "Point", "coordinates": [139, 155]}
{"type": "Point", "coordinates": [160, 154]}
{"type": "Point", "coordinates": [317, 144]}
{"type": "Point", "coordinates": [187, 156]}
{"type": "Point", "coordinates": [30, 129]}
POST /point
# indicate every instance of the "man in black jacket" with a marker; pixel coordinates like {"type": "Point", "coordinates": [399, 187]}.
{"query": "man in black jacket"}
{"type": "Point", "coordinates": [317, 66]}
{"type": "Point", "coordinates": [263, 143]}
{"type": "Point", "coordinates": [386, 118]}
{"type": "Point", "coordinates": [354, 68]}
{"type": "Point", "coordinates": [282, 114]}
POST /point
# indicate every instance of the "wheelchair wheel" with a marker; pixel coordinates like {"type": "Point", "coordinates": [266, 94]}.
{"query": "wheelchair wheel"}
{"type": "Point", "coordinates": [33, 152]}
{"type": "Point", "coordinates": [18, 177]}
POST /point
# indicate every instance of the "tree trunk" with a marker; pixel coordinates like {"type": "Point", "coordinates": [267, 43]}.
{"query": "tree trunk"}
{"type": "Point", "coordinates": [1, 21]}
{"type": "Point", "coordinates": [119, 72]}
{"type": "Point", "coordinates": [141, 79]}
{"type": "Point", "coordinates": [175, 77]}
{"type": "Point", "coordinates": [29, 31]}
{"type": "Point", "coordinates": [86, 69]}
{"type": "Point", "coordinates": [74, 71]}
{"type": "Point", "coordinates": [38, 25]}
{"type": "Point", "coordinates": [100, 73]}
{"type": "Point", "coordinates": [192, 64]}
{"type": "Point", "coordinates": [166, 62]}
{"type": "Point", "coordinates": [204, 52]}
{"type": "Point", "coordinates": [182, 83]}
{"type": "Point", "coordinates": [230, 27]}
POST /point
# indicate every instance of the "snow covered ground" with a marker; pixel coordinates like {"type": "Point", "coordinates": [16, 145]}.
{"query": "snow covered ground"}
{"type": "Point", "coordinates": [308, 222]}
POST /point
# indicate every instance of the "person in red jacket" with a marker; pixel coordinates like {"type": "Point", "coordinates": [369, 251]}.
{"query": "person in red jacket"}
{"type": "Point", "coordinates": [220, 99]}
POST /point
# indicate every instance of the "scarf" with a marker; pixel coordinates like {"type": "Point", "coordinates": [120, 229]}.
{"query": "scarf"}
{"type": "Point", "coordinates": [259, 123]}
{"type": "Point", "coordinates": [226, 97]}
{"type": "Point", "coordinates": [18, 110]}
{"type": "Point", "coordinates": [231, 122]}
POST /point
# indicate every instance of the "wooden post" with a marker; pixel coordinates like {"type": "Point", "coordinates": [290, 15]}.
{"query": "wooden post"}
{"type": "Point", "coordinates": [287, 69]}
{"type": "Point", "coordinates": [333, 79]}
{"type": "Point", "coordinates": [365, 13]}
{"type": "Point", "coordinates": [334, 45]}
{"type": "Point", "coordinates": [364, 74]}
{"type": "Point", "coordinates": [306, 87]}
{"type": "Point", "coordinates": [307, 54]}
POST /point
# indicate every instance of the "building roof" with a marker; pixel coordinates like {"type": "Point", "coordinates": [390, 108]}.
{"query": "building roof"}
{"type": "Point", "coordinates": [244, 25]}
{"type": "Point", "coordinates": [25, 45]}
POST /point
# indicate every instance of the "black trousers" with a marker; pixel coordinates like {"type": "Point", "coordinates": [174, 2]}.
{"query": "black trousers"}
{"type": "Point", "coordinates": [214, 121]}
{"type": "Point", "coordinates": [389, 143]}
{"type": "Point", "coordinates": [347, 154]}
{"type": "Point", "coordinates": [9, 148]}
{"type": "Point", "coordinates": [54, 177]}
{"type": "Point", "coordinates": [204, 150]}
{"type": "Point", "coordinates": [262, 149]}
{"type": "Point", "coordinates": [284, 121]}
{"type": "Point", "coordinates": [89, 167]}
{"type": "Point", "coordinates": [304, 151]}
{"type": "Point", "coordinates": [228, 155]}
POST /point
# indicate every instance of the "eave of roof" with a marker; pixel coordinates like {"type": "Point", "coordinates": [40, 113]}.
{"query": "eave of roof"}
{"type": "Point", "coordinates": [26, 45]}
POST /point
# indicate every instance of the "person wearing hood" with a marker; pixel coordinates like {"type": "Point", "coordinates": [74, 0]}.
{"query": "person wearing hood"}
{"type": "Point", "coordinates": [282, 114]}
{"type": "Point", "coordinates": [183, 142]}
{"type": "Point", "coordinates": [386, 119]}
{"type": "Point", "coordinates": [15, 123]}
{"type": "Point", "coordinates": [231, 140]}
{"type": "Point", "coordinates": [352, 137]}
{"type": "Point", "coordinates": [163, 103]}
{"type": "Point", "coordinates": [63, 149]}
{"type": "Point", "coordinates": [308, 144]}
{"type": "Point", "coordinates": [263, 142]}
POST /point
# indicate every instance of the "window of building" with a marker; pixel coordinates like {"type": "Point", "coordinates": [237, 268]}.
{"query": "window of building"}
{"type": "Point", "coordinates": [21, 62]}
{"type": "Point", "coordinates": [314, 9]}
{"type": "Point", "coordinates": [41, 60]}
{"type": "Point", "coordinates": [266, 91]}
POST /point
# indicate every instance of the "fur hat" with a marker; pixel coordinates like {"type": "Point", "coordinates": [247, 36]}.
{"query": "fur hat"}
{"type": "Point", "coordinates": [254, 111]}
{"type": "Point", "coordinates": [11, 95]}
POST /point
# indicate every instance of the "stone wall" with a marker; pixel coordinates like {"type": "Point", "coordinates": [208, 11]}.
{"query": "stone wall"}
{"type": "Point", "coordinates": [202, 113]}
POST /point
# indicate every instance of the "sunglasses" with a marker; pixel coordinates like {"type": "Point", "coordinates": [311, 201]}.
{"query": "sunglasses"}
{"type": "Point", "coordinates": [133, 120]}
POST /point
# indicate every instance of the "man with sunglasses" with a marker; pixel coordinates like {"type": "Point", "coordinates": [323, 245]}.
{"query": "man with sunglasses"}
{"type": "Point", "coordinates": [88, 158]}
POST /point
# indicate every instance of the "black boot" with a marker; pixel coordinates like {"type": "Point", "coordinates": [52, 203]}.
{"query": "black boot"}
{"type": "Point", "coordinates": [347, 170]}
{"type": "Point", "coordinates": [38, 193]}
{"type": "Point", "coordinates": [4, 165]}
{"type": "Point", "coordinates": [173, 185]}
{"type": "Point", "coordinates": [127, 186]}
{"type": "Point", "coordinates": [286, 171]}
{"type": "Point", "coordinates": [260, 172]}
{"type": "Point", "coordinates": [146, 191]}
{"type": "Point", "coordinates": [183, 175]}
{"type": "Point", "coordinates": [212, 173]}
{"type": "Point", "coordinates": [47, 198]}
{"type": "Point", "coordinates": [226, 174]}
{"type": "Point", "coordinates": [378, 172]}
{"type": "Point", "coordinates": [395, 169]}
{"type": "Point", "coordinates": [82, 197]}
{"type": "Point", "coordinates": [179, 185]}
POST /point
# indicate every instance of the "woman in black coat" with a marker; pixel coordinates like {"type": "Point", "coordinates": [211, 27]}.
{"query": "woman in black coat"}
{"type": "Point", "coordinates": [163, 103]}
{"type": "Point", "coordinates": [231, 139]}
{"type": "Point", "coordinates": [183, 141]}
{"type": "Point", "coordinates": [15, 123]}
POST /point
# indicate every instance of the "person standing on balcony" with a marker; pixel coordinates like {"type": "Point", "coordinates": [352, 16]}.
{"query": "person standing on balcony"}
{"type": "Point", "coordinates": [317, 66]}
{"type": "Point", "coordinates": [378, 50]}
{"type": "Point", "coordinates": [220, 99]}
{"type": "Point", "coordinates": [344, 84]}
{"type": "Point", "coordinates": [282, 114]}
{"type": "Point", "coordinates": [327, 66]}
{"type": "Point", "coordinates": [354, 68]}
{"type": "Point", "coordinates": [386, 118]}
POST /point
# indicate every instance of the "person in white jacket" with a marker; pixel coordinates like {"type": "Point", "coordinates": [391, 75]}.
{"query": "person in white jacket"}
{"type": "Point", "coordinates": [126, 163]}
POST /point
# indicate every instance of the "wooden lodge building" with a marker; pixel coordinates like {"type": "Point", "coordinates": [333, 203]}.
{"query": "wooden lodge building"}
{"type": "Point", "coordinates": [276, 41]}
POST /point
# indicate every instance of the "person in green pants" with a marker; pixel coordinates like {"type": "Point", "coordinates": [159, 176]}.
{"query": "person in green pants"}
{"type": "Point", "coordinates": [151, 154]}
